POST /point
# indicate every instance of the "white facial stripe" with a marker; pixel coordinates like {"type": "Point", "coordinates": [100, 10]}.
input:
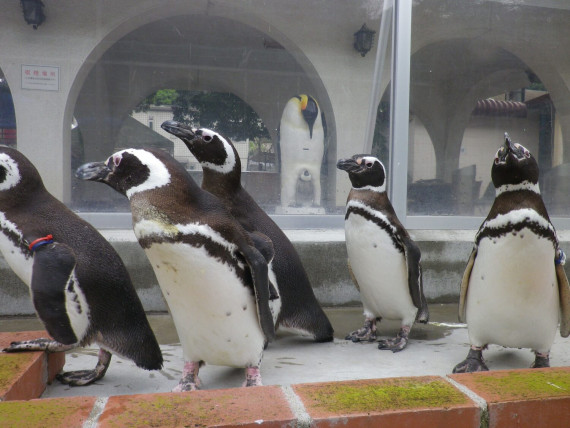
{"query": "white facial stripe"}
{"type": "Point", "coordinates": [377, 214]}
{"type": "Point", "coordinates": [159, 175]}
{"type": "Point", "coordinates": [230, 161]}
{"type": "Point", "coordinates": [12, 172]}
{"type": "Point", "coordinates": [146, 228]}
{"type": "Point", "coordinates": [378, 189]}
{"type": "Point", "coordinates": [517, 216]}
{"type": "Point", "coordinates": [525, 185]}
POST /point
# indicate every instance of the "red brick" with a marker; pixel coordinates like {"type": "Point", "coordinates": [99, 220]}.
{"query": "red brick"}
{"type": "Point", "coordinates": [263, 406]}
{"type": "Point", "coordinates": [403, 402]}
{"type": "Point", "coordinates": [50, 412]}
{"type": "Point", "coordinates": [24, 375]}
{"type": "Point", "coordinates": [523, 398]}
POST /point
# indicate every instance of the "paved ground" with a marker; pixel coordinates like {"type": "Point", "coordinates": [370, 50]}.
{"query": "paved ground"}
{"type": "Point", "coordinates": [433, 350]}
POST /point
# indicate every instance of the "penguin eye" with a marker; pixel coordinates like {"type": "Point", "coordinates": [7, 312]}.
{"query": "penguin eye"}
{"type": "Point", "coordinates": [526, 154]}
{"type": "Point", "coordinates": [369, 164]}
{"type": "Point", "coordinates": [207, 138]}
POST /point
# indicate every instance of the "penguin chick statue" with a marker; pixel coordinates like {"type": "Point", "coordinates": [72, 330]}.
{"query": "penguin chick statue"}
{"type": "Point", "coordinates": [209, 268]}
{"type": "Point", "coordinates": [383, 259]}
{"type": "Point", "coordinates": [301, 147]}
{"type": "Point", "coordinates": [514, 289]}
{"type": "Point", "coordinates": [80, 288]}
{"type": "Point", "coordinates": [221, 166]}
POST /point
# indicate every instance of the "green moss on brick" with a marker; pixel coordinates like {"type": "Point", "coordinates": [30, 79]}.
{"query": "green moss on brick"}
{"type": "Point", "coordinates": [394, 394]}
{"type": "Point", "coordinates": [526, 384]}
{"type": "Point", "coordinates": [38, 413]}
{"type": "Point", "coordinates": [12, 364]}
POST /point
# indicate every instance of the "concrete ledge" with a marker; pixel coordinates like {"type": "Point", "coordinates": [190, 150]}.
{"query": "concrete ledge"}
{"type": "Point", "coordinates": [495, 399]}
{"type": "Point", "coordinates": [323, 252]}
{"type": "Point", "coordinates": [24, 375]}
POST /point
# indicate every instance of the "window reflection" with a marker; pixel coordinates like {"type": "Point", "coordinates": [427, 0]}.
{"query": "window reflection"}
{"type": "Point", "coordinates": [479, 69]}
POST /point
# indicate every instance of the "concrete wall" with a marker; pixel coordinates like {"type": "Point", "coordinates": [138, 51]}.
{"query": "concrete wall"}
{"type": "Point", "coordinates": [444, 254]}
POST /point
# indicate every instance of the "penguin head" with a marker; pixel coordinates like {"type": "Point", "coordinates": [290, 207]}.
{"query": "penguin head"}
{"type": "Point", "coordinates": [128, 171]}
{"type": "Point", "coordinates": [309, 110]}
{"type": "Point", "coordinates": [513, 164]}
{"type": "Point", "coordinates": [18, 176]}
{"type": "Point", "coordinates": [365, 172]}
{"type": "Point", "coordinates": [212, 150]}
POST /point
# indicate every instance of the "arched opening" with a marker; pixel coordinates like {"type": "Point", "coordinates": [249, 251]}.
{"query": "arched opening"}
{"type": "Point", "coordinates": [189, 53]}
{"type": "Point", "coordinates": [467, 94]}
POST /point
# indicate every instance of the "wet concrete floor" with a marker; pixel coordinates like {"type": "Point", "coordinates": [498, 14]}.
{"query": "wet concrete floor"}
{"type": "Point", "coordinates": [433, 350]}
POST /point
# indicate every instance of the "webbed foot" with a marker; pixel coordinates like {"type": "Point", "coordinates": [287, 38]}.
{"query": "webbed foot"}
{"type": "Point", "coordinates": [252, 377]}
{"type": "Point", "coordinates": [473, 363]}
{"type": "Point", "coordinates": [367, 333]}
{"type": "Point", "coordinates": [397, 343]}
{"type": "Point", "coordinates": [85, 377]}
{"type": "Point", "coordinates": [40, 344]}
{"type": "Point", "coordinates": [190, 380]}
{"type": "Point", "coordinates": [541, 360]}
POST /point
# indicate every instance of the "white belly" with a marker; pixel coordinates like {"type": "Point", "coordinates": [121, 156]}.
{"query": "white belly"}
{"type": "Point", "coordinates": [17, 261]}
{"type": "Point", "coordinates": [512, 298]}
{"type": "Point", "coordinates": [215, 316]}
{"type": "Point", "coordinates": [380, 270]}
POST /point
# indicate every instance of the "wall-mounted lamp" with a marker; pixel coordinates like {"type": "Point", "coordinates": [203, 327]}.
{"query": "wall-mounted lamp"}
{"type": "Point", "coordinates": [33, 12]}
{"type": "Point", "coordinates": [363, 40]}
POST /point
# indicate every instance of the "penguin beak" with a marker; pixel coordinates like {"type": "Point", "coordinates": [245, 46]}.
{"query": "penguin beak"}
{"type": "Point", "coordinates": [93, 171]}
{"type": "Point", "coordinates": [348, 165]}
{"type": "Point", "coordinates": [179, 130]}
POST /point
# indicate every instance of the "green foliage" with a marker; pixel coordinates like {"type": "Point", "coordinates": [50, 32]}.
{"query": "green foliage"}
{"type": "Point", "coordinates": [224, 112]}
{"type": "Point", "coordinates": [163, 97]}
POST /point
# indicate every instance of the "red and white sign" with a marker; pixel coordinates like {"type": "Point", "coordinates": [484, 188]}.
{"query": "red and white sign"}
{"type": "Point", "coordinates": [40, 77]}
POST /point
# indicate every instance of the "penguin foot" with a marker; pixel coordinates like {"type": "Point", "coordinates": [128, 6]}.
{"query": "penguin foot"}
{"type": "Point", "coordinates": [367, 333]}
{"type": "Point", "coordinates": [473, 363]}
{"type": "Point", "coordinates": [541, 361]}
{"type": "Point", "coordinates": [86, 377]}
{"type": "Point", "coordinates": [252, 377]}
{"type": "Point", "coordinates": [41, 344]}
{"type": "Point", "coordinates": [190, 380]}
{"type": "Point", "coordinates": [397, 343]}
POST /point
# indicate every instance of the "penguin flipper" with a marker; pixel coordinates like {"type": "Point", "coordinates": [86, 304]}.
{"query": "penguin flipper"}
{"type": "Point", "coordinates": [51, 273]}
{"type": "Point", "coordinates": [265, 246]}
{"type": "Point", "coordinates": [261, 286]}
{"type": "Point", "coordinates": [465, 285]}
{"type": "Point", "coordinates": [415, 282]}
{"type": "Point", "coordinates": [564, 291]}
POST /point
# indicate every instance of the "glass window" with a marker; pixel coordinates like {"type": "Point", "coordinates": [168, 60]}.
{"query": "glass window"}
{"type": "Point", "coordinates": [478, 70]}
{"type": "Point", "coordinates": [294, 93]}
{"type": "Point", "coordinates": [7, 114]}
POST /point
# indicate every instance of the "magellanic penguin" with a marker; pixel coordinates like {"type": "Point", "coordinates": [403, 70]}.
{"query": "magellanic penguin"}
{"type": "Point", "coordinates": [222, 174]}
{"type": "Point", "coordinates": [212, 273]}
{"type": "Point", "coordinates": [383, 259]}
{"type": "Point", "coordinates": [301, 147]}
{"type": "Point", "coordinates": [514, 289]}
{"type": "Point", "coordinates": [79, 286]}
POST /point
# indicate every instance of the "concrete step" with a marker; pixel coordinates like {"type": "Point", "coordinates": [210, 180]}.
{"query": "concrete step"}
{"type": "Point", "coordinates": [502, 398]}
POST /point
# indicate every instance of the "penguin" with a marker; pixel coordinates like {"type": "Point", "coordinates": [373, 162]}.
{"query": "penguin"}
{"type": "Point", "coordinates": [212, 273]}
{"type": "Point", "coordinates": [301, 147]}
{"type": "Point", "coordinates": [221, 166]}
{"type": "Point", "coordinates": [383, 260]}
{"type": "Point", "coordinates": [79, 286]}
{"type": "Point", "coordinates": [514, 290]}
